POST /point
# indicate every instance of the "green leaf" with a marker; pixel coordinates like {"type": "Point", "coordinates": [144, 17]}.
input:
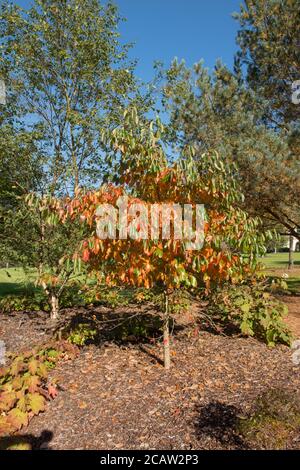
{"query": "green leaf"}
{"type": "Point", "coordinates": [36, 402]}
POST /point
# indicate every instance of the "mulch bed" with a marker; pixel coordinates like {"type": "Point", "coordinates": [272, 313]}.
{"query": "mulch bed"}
{"type": "Point", "coordinates": [293, 319]}
{"type": "Point", "coordinates": [118, 396]}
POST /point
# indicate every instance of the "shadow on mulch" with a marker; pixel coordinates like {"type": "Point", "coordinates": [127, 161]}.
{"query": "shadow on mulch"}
{"type": "Point", "coordinates": [27, 441]}
{"type": "Point", "coordinates": [219, 421]}
{"type": "Point", "coordinates": [216, 327]}
{"type": "Point", "coordinates": [122, 326]}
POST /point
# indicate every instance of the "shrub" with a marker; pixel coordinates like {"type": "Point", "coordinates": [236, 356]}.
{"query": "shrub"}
{"type": "Point", "coordinates": [253, 310]}
{"type": "Point", "coordinates": [24, 385]}
{"type": "Point", "coordinates": [138, 328]}
{"type": "Point", "coordinates": [29, 302]}
{"type": "Point", "coordinates": [76, 295]}
{"type": "Point", "coordinates": [81, 334]}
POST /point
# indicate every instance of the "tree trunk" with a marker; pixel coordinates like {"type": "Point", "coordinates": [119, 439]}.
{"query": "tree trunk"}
{"type": "Point", "coordinates": [54, 307]}
{"type": "Point", "coordinates": [167, 360]}
{"type": "Point", "coordinates": [291, 261]}
{"type": "Point", "coordinates": [53, 301]}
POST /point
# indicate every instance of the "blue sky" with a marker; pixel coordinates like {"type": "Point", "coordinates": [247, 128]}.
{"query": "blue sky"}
{"type": "Point", "coordinates": [187, 29]}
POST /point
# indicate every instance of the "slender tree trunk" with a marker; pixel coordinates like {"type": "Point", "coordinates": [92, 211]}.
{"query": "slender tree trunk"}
{"type": "Point", "coordinates": [53, 301]}
{"type": "Point", "coordinates": [54, 313]}
{"type": "Point", "coordinates": [167, 360]}
{"type": "Point", "coordinates": [41, 248]}
{"type": "Point", "coordinates": [291, 261]}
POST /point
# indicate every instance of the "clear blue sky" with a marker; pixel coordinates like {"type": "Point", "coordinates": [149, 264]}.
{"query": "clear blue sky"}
{"type": "Point", "coordinates": [187, 29]}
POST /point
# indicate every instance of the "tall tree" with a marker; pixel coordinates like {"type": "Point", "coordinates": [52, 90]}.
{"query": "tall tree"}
{"type": "Point", "coordinates": [21, 171]}
{"type": "Point", "coordinates": [65, 64]}
{"type": "Point", "coordinates": [269, 47]}
{"type": "Point", "coordinates": [218, 111]}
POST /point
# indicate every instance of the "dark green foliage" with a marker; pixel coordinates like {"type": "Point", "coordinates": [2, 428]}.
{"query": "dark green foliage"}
{"type": "Point", "coordinates": [139, 328]}
{"type": "Point", "coordinates": [253, 310]}
{"type": "Point", "coordinates": [269, 47]}
{"type": "Point", "coordinates": [18, 303]}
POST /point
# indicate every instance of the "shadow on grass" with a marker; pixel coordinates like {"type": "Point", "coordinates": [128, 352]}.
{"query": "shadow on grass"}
{"type": "Point", "coordinates": [17, 288]}
{"type": "Point", "coordinates": [14, 288]}
{"type": "Point", "coordinates": [279, 263]}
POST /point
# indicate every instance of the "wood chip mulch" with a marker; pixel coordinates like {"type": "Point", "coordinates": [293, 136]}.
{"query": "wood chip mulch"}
{"type": "Point", "coordinates": [119, 396]}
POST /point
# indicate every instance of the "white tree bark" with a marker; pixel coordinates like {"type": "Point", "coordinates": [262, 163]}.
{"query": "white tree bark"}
{"type": "Point", "coordinates": [54, 307]}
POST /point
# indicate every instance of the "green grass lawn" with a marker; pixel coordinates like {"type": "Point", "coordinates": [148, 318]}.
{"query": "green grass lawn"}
{"type": "Point", "coordinates": [277, 265]}
{"type": "Point", "coordinates": [16, 281]}
{"type": "Point", "coordinates": [280, 260]}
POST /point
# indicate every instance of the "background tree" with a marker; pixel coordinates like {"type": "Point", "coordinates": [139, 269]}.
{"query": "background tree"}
{"type": "Point", "coordinates": [219, 111]}
{"type": "Point", "coordinates": [68, 80]}
{"type": "Point", "coordinates": [269, 52]}
{"type": "Point", "coordinates": [269, 48]}
{"type": "Point", "coordinates": [21, 171]}
{"type": "Point", "coordinates": [49, 244]}
{"type": "Point", "coordinates": [65, 65]}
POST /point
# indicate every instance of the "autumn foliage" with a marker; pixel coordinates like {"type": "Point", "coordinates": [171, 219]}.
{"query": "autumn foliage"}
{"type": "Point", "coordinates": [231, 243]}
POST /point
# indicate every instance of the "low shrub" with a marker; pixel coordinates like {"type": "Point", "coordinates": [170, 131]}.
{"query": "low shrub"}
{"type": "Point", "coordinates": [24, 384]}
{"type": "Point", "coordinates": [82, 334]}
{"type": "Point", "coordinates": [137, 328]}
{"type": "Point", "coordinates": [30, 302]}
{"type": "Point", "coordinates": [277, 285]}
{"type": "Point", "coordinates": [253, 310]}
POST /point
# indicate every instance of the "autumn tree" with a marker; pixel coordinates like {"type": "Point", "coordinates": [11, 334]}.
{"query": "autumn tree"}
{"type": "Point", "coordinates": [231, 243]}
{"type": "Point", "coordinates": [248, 114]}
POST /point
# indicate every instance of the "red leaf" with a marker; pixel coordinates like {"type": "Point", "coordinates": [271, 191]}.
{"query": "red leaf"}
{"type": "Point", "coordinates": [52, 390]}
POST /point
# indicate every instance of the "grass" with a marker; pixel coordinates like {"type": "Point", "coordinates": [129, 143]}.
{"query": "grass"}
{"type": "Point", "coordinates": [280, 260]}
{"type": "Point", "coordinates": [16, 281]}
{"type": "Point", "coordinates": [276, 265]}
